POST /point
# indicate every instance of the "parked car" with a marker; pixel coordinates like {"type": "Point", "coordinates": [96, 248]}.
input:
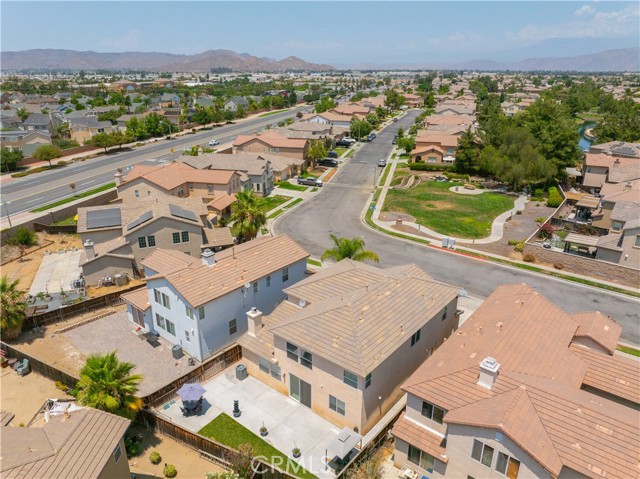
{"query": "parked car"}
{"type": "Point", "coordinates": [395, 118]}
{"type": "Point", "coordinates": [332, 154]}
{"type": "Point", "coordinates": [371, 137]}
{"type": "Point", "coordinates": [382, 162]}
{"type": "Point", "coordinates": [309, 181]}
{"type": "Point", "coordinates": [344, 143]}
{"type": "Point", "coordinates": [328, 162]}
{"type": "Point", "coordinates": [214, 143]}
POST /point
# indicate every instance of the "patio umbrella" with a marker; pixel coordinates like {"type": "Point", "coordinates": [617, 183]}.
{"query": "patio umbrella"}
{"type": "Point", "coordinates": [191, 392]}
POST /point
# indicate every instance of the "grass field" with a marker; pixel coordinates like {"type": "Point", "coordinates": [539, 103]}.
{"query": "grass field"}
{"type": "Point", "coordinates": [340, 150]}
{"type": "Point", "coordinates": [225, 430]}
{"type": "Point", "coordinates": [271, 202]}
{"type": "Point", "coordinates": [448, 213]}
{"type": "Point", "coordinates": [628, 350]}
{"type": "Point", "coordinates": [290, 186]}
{"type": "Point", "coordinates": [84, 194]}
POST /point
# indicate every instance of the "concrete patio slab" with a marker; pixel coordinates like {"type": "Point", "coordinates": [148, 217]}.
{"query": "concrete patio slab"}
{"type": "Point", "coordinates": [57, 272]}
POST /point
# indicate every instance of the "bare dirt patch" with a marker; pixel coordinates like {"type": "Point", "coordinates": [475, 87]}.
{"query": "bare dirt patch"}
{"type": "Point", "coordinates": [411, 230]}
{"type": "Point", "coordinates": [391, 216]}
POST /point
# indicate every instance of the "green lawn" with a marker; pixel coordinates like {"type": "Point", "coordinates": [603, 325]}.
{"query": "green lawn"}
{"type": "Point", "coordinates": [108, 186]}
{"type": "Point", "coordinates": [448, 213]}
{"type": "Point", "coordinates": [271, 202]}
{"type": "Point", "coordinates": [269, 113]}
{"type": "Point", "coordinates": [313, 262]}
{"type": "Point", "coordinates": [290, 186]}
{"type": "Point", "coordinates": [66, 222]}
{"type": "Point", "coordinates": [340, 150]}
{"type": "Point", "coordinates": [626, 349]}
{"type": "Point", "coordinates": [385, 173]}
{"type": "Point", "coordinates": [282, 210]}
{"type": "Point", "coordinates": [225, 430]}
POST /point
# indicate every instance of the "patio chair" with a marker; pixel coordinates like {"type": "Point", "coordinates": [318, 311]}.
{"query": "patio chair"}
{"type": "Point", "coordinates": [23, 367]}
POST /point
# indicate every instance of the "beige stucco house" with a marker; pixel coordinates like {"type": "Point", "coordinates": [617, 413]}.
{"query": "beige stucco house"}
{"type": "Point", "coordinates": [523, 390]}
{"type": "Point", "coordinates": [434, 148]}
{"type": "Point", "coordinates": [25, 141]}
{"type": "Point", "coordinates": [346, 338]}
{"type": "Point", "coordinates": [271, 142]}
{"type": "Point", "coordinates": [622, 244]}
{"type": "Point", "coordinates": [83, 129]}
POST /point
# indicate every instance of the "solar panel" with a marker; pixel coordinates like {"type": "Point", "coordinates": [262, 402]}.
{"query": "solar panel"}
{"type": "Point", "coordinates": [103, 218]}
{"type": "Point", "coordinates": [143, 218]}
{"type": "Point", "coordinates": [180, 212]}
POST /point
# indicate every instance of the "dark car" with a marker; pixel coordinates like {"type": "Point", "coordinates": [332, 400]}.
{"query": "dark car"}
{"type": "Point", "coordinates": [309, 181]}
{"type": "Point", "coordinates": [371, 137]}
{"type": "Point", "coordinates": [332, 154]}
{"type": "Point", "coordinates": [344, 143]}
{"type": "Point", "coordinates": [328, 162]}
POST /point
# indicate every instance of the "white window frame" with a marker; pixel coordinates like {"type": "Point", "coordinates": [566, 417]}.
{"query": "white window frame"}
{"type": "Point", "coordinates": [334, 405]}
{"type": "Point", "coordinates": [348, 380]}
{"type": "Point", "coordinates": [483, 446]}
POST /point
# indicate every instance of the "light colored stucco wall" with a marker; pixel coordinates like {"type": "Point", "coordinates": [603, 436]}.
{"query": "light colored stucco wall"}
{"type": "Point", "coordinates": [119, 470]}
{"type": "Point", "coordinates": [105, 266]}
{"type": "Point", "coordinates": [163, 230]}
{"type": "Point", "coordinates": [401, 461]}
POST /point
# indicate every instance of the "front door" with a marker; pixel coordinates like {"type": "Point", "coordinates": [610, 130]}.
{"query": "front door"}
{"type": "Point", "coordinates": [300, 390]}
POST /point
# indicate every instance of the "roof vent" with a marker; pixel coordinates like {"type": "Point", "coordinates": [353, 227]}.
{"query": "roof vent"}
{"type": "Point", "coordinates": [208, 257]}
{"type": "Point", "coordinates": [489, 368]}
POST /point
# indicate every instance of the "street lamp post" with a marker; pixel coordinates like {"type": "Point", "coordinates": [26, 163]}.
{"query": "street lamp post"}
{"type": "Point", "coordinates": [169, 125]}
{"type": "Point", "coordinates": [6, 205]}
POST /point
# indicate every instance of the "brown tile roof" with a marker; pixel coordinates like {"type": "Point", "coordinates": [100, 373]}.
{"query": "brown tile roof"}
{"type": "Point", "coordinates": [420, 437]}
{"type": "Point", "coordinates": [424, 149]}
{"type": "Point", "coordinates": [607, 161]}
{"type": "Point", "coordinates": [442, 140]}
{"type": "Point", "coordinates": [138, 298]}
{"type": "Point", "coordinates": [449, 120]}
{"type": "Point", "coordinates": [218, 237]}
{"type": "Point", "coordinates": [6, 417]}
{"type": "Point", "coordinates": [602, 329]}
{"type": "Point", "coordinates": [165, 261]}
{"type": "Point", "coordinates": [175, 174]}
{"type": "Point", "coordinates": [612, 242]}
{"type": "Point", "coordinates": [75, 447]}
{"type": "Point", "coordinates": [351, 109]}
{"type": "Point", "coordinates": [262, 343]}
{"type": "Point", "coordinates": [329, 115]}
{"type": "Point", "coordinates": [272, 139]}
{"type": "Point", "coordinates": [234, 267]}
{"type": "Point", "coordinates": [223, 201]}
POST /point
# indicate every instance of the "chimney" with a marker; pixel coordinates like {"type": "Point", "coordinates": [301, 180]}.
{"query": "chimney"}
{"type": "Point", "coordinates": [488, 372]}
{"type": "Point", "coordinates": [208, 257]}
{"type": "Point", "coordinates": [254, 319]}
{"type": "Point", "coordinates": [89, 250]}
{"type": "Point", "coordinates": [118, 177]}
{"type": "Point", "coordinates": [628, 186]}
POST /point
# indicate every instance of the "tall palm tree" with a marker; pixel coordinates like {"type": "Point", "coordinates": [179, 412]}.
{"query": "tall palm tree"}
{"type": "Point", "coordinates": [107, 384]}
{"type": "Point", "coordinates": [247, 215]}
{"type": "Point", "coordinates": [13, 308]}
{"type": "Point", "coordinates": [22, 113]}
{"type": "Point", "coordinates": [349, 248]}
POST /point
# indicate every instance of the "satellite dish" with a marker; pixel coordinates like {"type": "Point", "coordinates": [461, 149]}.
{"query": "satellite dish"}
{"type": "Point", "coordinates": [247, 285]}
{"type": "Point", "coordinates": [302, 303]}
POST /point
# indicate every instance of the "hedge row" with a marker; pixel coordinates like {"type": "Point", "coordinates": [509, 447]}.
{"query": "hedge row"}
{"type": "Point", "coordinates": [555, 198]}
{"type": "Point", "coordinates": [429, 166]}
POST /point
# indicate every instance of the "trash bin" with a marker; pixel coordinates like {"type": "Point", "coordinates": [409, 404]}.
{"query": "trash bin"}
{"type": "Point", "coordinates": [241, 372]}
{"type": "Point", "coordinates": [176, 351]}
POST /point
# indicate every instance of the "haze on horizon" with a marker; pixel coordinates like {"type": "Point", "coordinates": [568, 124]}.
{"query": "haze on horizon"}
{"type": "Point", "coordinates": [335, 33]}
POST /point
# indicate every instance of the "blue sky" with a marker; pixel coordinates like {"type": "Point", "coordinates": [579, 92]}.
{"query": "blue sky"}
{"type": "Point", "coordinates": [327, 32]}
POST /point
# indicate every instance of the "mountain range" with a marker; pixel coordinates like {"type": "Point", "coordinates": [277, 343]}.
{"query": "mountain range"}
{"type": "Point", "coordinates": [619, 60]}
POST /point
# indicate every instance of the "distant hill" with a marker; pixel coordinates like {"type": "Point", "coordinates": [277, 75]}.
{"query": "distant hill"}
{"type": "Point", "coordinates": [45, 59]}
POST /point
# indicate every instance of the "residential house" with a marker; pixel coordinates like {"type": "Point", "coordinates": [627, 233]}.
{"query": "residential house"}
{"type": "Point", "coordinates": [523, 389]}
{"type": "Point", "coordinates": [438, 120]}
{"type": "Point", "coordinates": [330, 118]}
{"type": "Point", "coordinates": [9, 120]}
{"type": "Point", "coordinates": [203, 102]}
{"type": "Point", "coordinates": [25, 141]}
{"type": "Point", "coordinates": [413, 101]}
{"type": "Point", "coordinates": [304, 130]}
{"type": "Point", "coordinates": [510, 109]}
{"type": "Point", "coordinates": [65, 440]}
{"type": "Point", "coordinates": [181, 179]}
{"type": "Point", "coordinates": [124, 85]}
{"type": "Point", "coordinates": [610, 195]}
{"type": "Point", "coordinates": [454, 109]}
{"type": "Point", "coordinates": [83, 129]}
{"type": "Point", "coordinates": [601, 168]}
{"type": "Point", "coordinates": [617, 148]}
{"type": "Point", "coordinates": [256, 170]}
{"type": "Point", "coordinates": [351, 109]}
{"type": "Point", "coordinates": [119, 236]}
{"type": "Point", "coordinates": [271, 142]}
{"type": "Point", "coordinates": [434, 148]}
{"type": "Point", "coordinates": [42, 122]}
{"type": "Point", "coordinates": [235, 102]}
{"type": "Point", "coordinates": [345, 339]}
{"type": "Point", "coordinates": [168, 100]}
{"type": "Point", "coordinates": [622, 244]}
{"type": "Point", "coordinates": [201, 304]}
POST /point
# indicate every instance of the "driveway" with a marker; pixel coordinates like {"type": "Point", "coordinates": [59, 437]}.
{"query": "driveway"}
{"type": "Point", "coordinates": [338, 208]}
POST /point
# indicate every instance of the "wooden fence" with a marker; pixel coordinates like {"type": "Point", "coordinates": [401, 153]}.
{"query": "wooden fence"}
{"type": "Point", "coordinates": [209, 368]}
{"type": "Point", "coordinates": [37, 365]}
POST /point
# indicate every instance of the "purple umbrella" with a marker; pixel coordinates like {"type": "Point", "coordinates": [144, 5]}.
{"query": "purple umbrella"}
{"type": "Point", "coordinates": [191, 392]}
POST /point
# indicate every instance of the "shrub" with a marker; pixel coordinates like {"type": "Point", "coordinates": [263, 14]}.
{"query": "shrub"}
{"type": "Point", "coordinates": [59, 384]}
{"type": "Point", "coordinates": [555, 199]}
{"type": "Point", "coordinates": [519, 212]}
{"type": "Point", "coordinates": [457, 176]}
{"type": "Point", "coordinates": [529, 258]}
{"type": "Point", "coordinates": [155, 457]}
{"type": "Point", "coordinates": [513, 242]}
{"type": "Point", "coordinates": [538, 192]}
{"type": "Point", "coordinates": [546, 231]}
{"type": "Point", "coordinates": [540, 219]}
{"type": "Point", "coordinates": [519, 247]}
{"type": "Point", "coordinates": [558, 265]}
{"type": "Point", "coordinates": [133, 445]}
{"type": "Point", "coordinates": [170, 471]}
{"type": "Point", "coordinates": [428, 167]}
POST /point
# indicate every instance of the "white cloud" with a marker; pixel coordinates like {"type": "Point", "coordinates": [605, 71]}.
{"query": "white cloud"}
{"type": "Point", "coordinates": [456, 37]}
{"type": "Point", "coordinates": [584, 10]}
{"type": "Point", "coordinates": [129, 42]}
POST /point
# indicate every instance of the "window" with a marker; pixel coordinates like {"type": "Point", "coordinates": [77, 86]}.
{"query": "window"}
{"type": "Point", "coordinates": [210, 189]}
{"type": "Point", "coordinates": [432, 412]}
{"type": "Point", "coordinates": [156, 295]}
{"type": "Point", "coordinates": [160, 321]}
{"type": "Point", "coordinates": [415, 337]}
{"type": "Point", "coordinates": [292, 352]}
{"type": "Point", "coordinates": [176, 238]}
{"type": "Point", "coordinates": [432, 159]}
{"type": "Point", "coordinates": [190, 186]}
{"type": "Point", "coordinates": [201, 312]}
{"type": "Point", "coordinates": [136, 193]}
{"type": "Point", "coordinates": [349, 378]}
{"type": "Point", "coordinates": [257, 186]}
{"type": "Point", "coordinates": [161, 298]}
{"type": "Point", "coordinates": [616, 226]}
{"type": "Point", "coordinates": [444, 313]}
{"type": "Point", "coordinates": [186, 336]}
{"type": "Point", "coordinates": [148, 192]}
{"type": "Point", "coordinates": [151, 241]}
{"type": "Point", "coordinates": [420, 458]}
{"type": "Point", "coordinates": [189, 312]}
{"type": "Point", "coordinates": [185, 236]}
{"type": "Point", "coordinates": [142, 241]}
{"type": "Point", "coordinates": [307, 360]}
{"type": "Point", "coordinates": [285, 274]}
{"type": "Point", "coordinates": [367, 381]}
{"type": "Point", "coordinates": [637, 243]}
{"type": "Point", "coordinates": [171, 328]}
{"type": "Point", "coordinates": [268, 367]}
{"type": "Point", "coordinates": [233, 327]}
{"type": "Point", "coordinates": [180, 237]}
{"type": "Point", "coordinates": [336, 405]}
{"type": "Point", "coordinates": [265, 366]}
{"type": "Point", "coordinates": [117, 453]}
{"type": "Point", "coordinates": [268, 281]}
{"type": "Point", "coordinates": [255, 287]}
{"type": "Point", "coordinates": [276, 372]}
{"type": "Point", "coordinates": [482, 453]}
{"type": "Point", "coordinates": [507, 465]}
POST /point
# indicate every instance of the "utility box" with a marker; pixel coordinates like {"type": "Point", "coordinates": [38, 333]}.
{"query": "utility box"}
{"type": "Point", "coordinates": [241, 372]}
{"type": "Point", "coordinates": [176, 351]}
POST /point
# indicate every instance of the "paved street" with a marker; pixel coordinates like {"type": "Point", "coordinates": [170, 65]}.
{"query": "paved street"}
{"type": "Point", "coordinates": [41, 188]}
{"type": "Point", "coordinates": [338, 207]}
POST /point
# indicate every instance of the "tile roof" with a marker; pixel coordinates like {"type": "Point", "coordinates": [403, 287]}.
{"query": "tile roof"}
{"type": "Point", "coordinates": [244, 263]}
{"type": "Point", "coordinates": [165, 261]}
{"type": "Point", "coordinates": [612, 242]}
{"type": "Point", "coordinates": [223, 201]}
{"type": "Point", "coordinates": [627, 211]}
{"type": "Point", "coordinates": [172, 175]}
{"type": "Point", "coordinates": [272, 139]}
{"type": "Point", "coordinates": [602, 329]}
{"type": "Point", "coordinates": [253, 164]}
{"type": "Point", "coordinates": [443, 140]}
{"type": "Point", "coordinates": [138, 298]}
{"type": "Point", "coordinates": [419, 436]}
{"type": "Point", "coordinates": [329, 116]}
{"type": "Point", "coordinates": [218, 237]}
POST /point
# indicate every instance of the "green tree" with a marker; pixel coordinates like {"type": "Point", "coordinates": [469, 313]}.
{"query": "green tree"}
{"type": "Point", "coordinates": [317, 150]}
{"type": "Point", "coordinates": [108, 384]}
{"type": "Point", "coordinates": [62, 131]}
{"type": "Point", "coordinates": [400, 132]}
{"type": "Point", "coordinates": [467, 153]}
{"type": "Point", "coordinates": [344, 248]}
{"type": "Point", "coordinates": [360, 128]}
{"type": "Point", "coordinates": [22, 113]}
{"type": "Point", "coordinates": [407, 143]}
{"type": "Point", "coordinates": [23, 238]}
{"type": "Point", "coordinates": [102, 140]}
{"type": "Point", "coordinates": [247, 215]}
{"type": "Point", "coordinates": [620, 122]}
{"type": "Point", "coordinates": [9, 159]}
{"type": "Point", "coordinates": [393, 100]}
{"type": "Point", "coordinates": [325, 103]}
{"type": "Point", "coordinates": [13, 312]}
{"type": "Point", "coordinates": [47, 153]}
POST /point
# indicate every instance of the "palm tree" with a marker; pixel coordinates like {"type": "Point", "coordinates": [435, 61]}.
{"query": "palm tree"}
{"type": "Point", "coordinates": [107, 384]}
{"type": "Point", "coordinates": [22, 113]}
{"type": "Point", "coordinates": [13, 309]}
{"type": "Point", "coordinates": [62, 131]}
{"type": "Point", "coordinates": [349, 248]}
{"type": "Point", "coordinates": [247, 215]}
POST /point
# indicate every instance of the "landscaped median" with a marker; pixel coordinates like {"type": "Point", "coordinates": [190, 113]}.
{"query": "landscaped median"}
{"type": "Point", "coordinates": [225, 430]}
{"type": "Point", "coordinates": [70, 199]}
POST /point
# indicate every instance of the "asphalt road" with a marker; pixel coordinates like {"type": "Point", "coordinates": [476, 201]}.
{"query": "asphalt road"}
{"type": "Point", "coordinates": [337, 209]}
{"type": "Point", "coordinates": [35, 190]}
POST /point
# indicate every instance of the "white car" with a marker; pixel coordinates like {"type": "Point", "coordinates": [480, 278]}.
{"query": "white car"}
{"type": "Point", "coordinates": [214, 143]}
{"type": "Point", "coordinates": [382, 162]}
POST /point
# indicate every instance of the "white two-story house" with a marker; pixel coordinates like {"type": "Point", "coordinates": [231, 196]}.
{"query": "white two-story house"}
{"type": "Point", "coordinates": [201, 304]}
